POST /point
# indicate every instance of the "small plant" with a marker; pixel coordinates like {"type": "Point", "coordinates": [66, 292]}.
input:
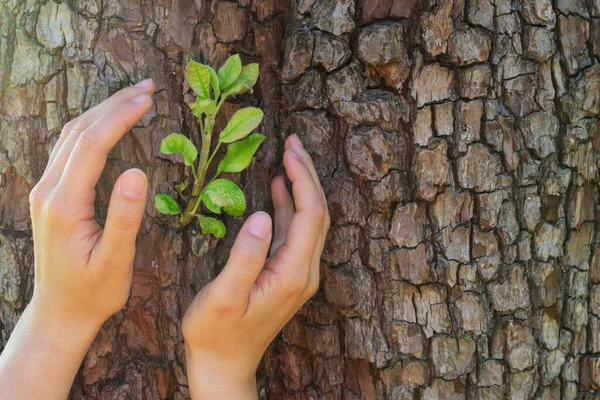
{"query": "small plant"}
{"type": "Point", "coordinates": [219, 194]}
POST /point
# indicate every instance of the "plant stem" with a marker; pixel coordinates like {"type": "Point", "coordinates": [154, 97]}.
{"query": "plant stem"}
{"type": "Point", "coordinates": [204, 156]}
{"type": "Point", "coordinates": [213, 154]}
{"type": "Point", "coordinates": [192, 205]}
{"type": "Point", "coordinates": [194, 173]}
{"type": "Point", "coordinates": [206, 129]}
{"type": "Point", "coordinates": [197, 185]}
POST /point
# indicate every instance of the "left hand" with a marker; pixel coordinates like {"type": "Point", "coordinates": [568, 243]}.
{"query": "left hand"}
{"type": "Point", "coordinates": [82, 272]}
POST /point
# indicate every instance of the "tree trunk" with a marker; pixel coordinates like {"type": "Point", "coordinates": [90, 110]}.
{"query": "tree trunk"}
{"type": "Point", "coordinates": [458, 142]}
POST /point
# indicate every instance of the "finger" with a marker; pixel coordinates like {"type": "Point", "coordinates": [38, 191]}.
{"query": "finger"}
{"type": "Point", "coordinates": [86, 119]}
{"type": "Point", "coordinates": [305, 228]}
{"type": "Point", "coordinates": [293, 142]}
{"type": "Point", "coordinates": [284, 211]}
{"type": "Point", "coordinates": [71, 131]}
{"type": "Point", "coordinates": [246, 259]}
{"type": "Point", "coordinates": [125, 212]}
{"type": "Point", "coordinates": [87, 160]}
{"type": "Point", "coordinates": [61, 140]}
{"type": "Point", "coordinates": [315, 264]}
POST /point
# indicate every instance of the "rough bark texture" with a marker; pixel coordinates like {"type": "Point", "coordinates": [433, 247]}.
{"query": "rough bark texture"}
{"type": "Point", "coordinates": [458, 142]}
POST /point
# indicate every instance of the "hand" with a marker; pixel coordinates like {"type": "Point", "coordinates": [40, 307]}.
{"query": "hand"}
{"type": "Point", "coordinates": [233, 319]}
{"type": "Point", "coordinates": [82, 272]}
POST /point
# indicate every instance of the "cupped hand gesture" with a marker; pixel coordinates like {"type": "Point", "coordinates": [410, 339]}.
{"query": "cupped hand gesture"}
{"type": "Point", "coordinates": [83, 272]}
{"type": "Point", "coordinates": [234, 318]}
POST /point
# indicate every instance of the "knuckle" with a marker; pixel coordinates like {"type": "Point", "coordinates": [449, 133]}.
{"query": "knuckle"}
{"type": "Point", "coordinates": [69, 127]}
{"type": "Point", "coordinates": [124, 93]}
{"type": "Point", "coordinates": [187, 328]}
{"type": "Point", "coordinates": [221, 306]}
{"type": "Point", "coordinates": [36, 198]}
{"type": "Point", "coordinates": [189, 325]}
{"type": "Point", "coordinates": [78, 125]}
{"type": "Point", "coordinates": [221, 303]}
{"type": "Point", "coordinates": [295, 286]}
{"type": "Point", "coordinates": [85, 143]}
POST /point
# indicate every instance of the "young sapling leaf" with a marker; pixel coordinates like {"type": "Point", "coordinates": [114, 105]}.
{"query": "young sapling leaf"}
{"type": "Point", "coordinates": [230, 71]}
{"type": "Point", "coordinates": [176, 143]}
{"type": "Point", "coordinates": [212, 226]}
{"type": "Point", "coordinates": [245, 82]}
{"type": "Point", "coordinates": [214, 81]}
{"type": "Point", "coordinates": [241, 124]}
{"type": "Point", "coordinates": [198, 77]}
{"type": "Point", "coordinates": [223, 193]}
{"type": "Point", "coordinates": [203, 106]}
{"type": "Point", "coordinates": [239, 154]}
{"type": "Point", "coordinates": [209, 204]}
{"type": "Point", "coordinates": [167, 205]}
{"type": "Point", "coordinates": [212, 90]}
{"type": "Point", "coordinates": [182, 186]}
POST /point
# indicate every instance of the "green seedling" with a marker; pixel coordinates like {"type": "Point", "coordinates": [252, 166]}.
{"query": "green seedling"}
{"type": "Point", "coordinates": [219, 194]}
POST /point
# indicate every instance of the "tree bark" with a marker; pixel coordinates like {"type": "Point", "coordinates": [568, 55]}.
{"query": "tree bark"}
{"type": "Point", "coordinates": [458, 143]}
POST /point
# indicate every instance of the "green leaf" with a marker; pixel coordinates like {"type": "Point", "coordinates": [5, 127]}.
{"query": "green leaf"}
{"type": "Point", "coordinates": [203, 106]}
{"type": "Point", "coordinates": [165, 204]}
{"type": "Point", "coordinates": [223, 193]}
{"type": "Point", "coordinates": [214, 81]}
{"type": "Point", "coordinates": [182, 186]}
{"type": "Point", "coordinates": [212, 226]}
{"type": "Point", "coordinates": [230, 71]}
{"type": "Point", "coordinates": [239, 154]}
{"type": "Point", "coordinates": [209, 204]}
{"type": "Point", "coordinates": [241, 124]}
{"type": "Point", "coordinates": [198, 77]}
{"type": "Point", "coordinates": [245, 82]}
{"type": "Point", "coordinates": [176, 143]}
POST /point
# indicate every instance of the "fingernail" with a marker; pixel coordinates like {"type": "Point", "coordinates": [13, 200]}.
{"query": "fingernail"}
{"type": "Point", "coordinates": [142, 98]}
{"type": "Point", "coordinates": [132, 184]}
{"type": "Point", "coordinates": [143, 84]}
{"type": "Point", "coordinates": [296, 141]}
{"type": "Point", "coordinates": [259, 225]}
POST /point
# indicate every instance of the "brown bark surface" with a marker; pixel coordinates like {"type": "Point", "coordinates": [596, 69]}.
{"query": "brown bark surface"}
{"type": "Point", "coordinates": [458, 142]}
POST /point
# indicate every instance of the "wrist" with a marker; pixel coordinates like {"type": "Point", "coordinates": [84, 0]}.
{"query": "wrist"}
{"type": "Point", "coordinates": [43, 354]}
{"type": "Point", "coordinates": [212, 377]}
{"type": "Point", "coordinates": [59, 329]}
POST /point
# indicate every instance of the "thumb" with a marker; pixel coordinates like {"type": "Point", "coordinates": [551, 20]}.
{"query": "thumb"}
{"type": "Point", "coordinates": [247, 258]}
{"type": "Point", "coordinates": [125, 212]}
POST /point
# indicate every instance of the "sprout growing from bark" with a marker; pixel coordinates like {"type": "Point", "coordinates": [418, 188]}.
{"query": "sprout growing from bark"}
{"type": "Point", "coordinates": [218, 194]}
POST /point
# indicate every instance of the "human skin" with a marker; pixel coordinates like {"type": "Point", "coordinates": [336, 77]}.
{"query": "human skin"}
{"type": "Point", "coordinates": [83, 271]}
{"type": "Point", "coordinates": [233, 319]}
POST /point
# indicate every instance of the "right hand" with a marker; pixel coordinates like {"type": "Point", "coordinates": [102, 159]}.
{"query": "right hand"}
{"type": "Point", "coordinates": [233, 319]}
